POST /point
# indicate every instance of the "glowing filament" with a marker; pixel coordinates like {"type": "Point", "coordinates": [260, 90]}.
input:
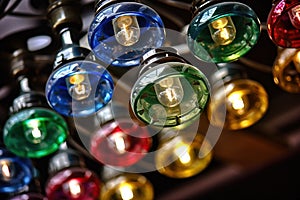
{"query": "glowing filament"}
{"type": "Point", "coordinates": [75, 188]}
{"type": "Point", "coordinates": [35, 131]}
{"type": "Point", "coordinates": [294, 15]}
{"type": "Point", "coordinates": [6, 170]}
{"type": "Point", "coordinates": [169, 91]}
{"type": "Point", "coordinates": [126, 191]}
{"type": "Point", "coordinates": [120, 142]}
{"type": "Point", "coordinates": [79, 86]}
{"type": "Point", "coordinates": [222, 31]}
{"type": "Point", "coordinates": [127, 30]}
{"type": "Point", "coordinates": [182, 153]}
{"type": "Point", "coordinates": [237, 102]}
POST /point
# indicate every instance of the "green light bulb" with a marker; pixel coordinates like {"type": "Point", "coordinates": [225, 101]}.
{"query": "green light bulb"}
{"type": "Point", "coordinates": [34, 132]}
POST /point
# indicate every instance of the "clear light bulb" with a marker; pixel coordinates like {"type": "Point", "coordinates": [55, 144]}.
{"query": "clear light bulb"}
{"type": "Point", "coordinates": [182, 151]}
{"type": "Point", "coordinates": [294, 15]}
{"type": "Point", "coordinates": [126, 192]}
{"type": "Point", "coordinates": [169, 91]}
{"type": "Point", "coordinates": [238, 102]}
{"type": "Point", "coordinates": [127, 30]}
{"type": "Point", "coordinates": [35, 131]}
{"type": "Point", "coordinates": [7, 170]}
{"type": "Point", "coordinates": [222, 31]}
{"type": "Point", "coordinates": [79, 86]}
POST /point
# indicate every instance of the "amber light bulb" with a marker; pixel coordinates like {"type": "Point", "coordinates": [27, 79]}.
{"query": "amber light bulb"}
{"type": "Point", "coordinates": [125, 186]}
{"type": "Point", "coordinates": [237, 104]}
{"type": "Point", "coordinates": [183, 156]}
{"type": "Point", "coordinates": [286, 70]}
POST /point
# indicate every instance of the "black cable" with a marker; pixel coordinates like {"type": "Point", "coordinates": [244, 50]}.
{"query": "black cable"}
{"type": "Point", "coordinates": [177, 4]}
{"type": "Point", "coordinates": [10, 9]}
{"type": "Point", "coordinates": [3, 5]}
{"type": "Point", "coordinates": [21, 14]}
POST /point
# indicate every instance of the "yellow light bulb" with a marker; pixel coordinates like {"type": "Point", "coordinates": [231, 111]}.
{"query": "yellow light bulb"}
{"type": "Point", "coordinates": [286, 70]}
{"type": "Point", "coordinates": [127, 30]}
{"type": "Point", "coordinates": [222, 31]}
{"type": "Point", "coordinates": [7, 171]}
{"type": "Point", "coordinates": [127, 187]}
{"type": "Point", "coordinates": [183, 157]}
{"type": "Point", "coordinates": [237, 105]}
{"type": "Point", "coordinates": [169, 91]}
{"type": "Point", "coordinates": [79, 86]}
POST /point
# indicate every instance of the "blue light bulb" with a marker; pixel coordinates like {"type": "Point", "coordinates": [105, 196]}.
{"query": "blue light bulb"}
{"type": "Point", "coordinates": [122, 32]}
{"type": "Point", "coordinates": [15, 172]}
{"type": "Point", "coordinates": [79, 88]}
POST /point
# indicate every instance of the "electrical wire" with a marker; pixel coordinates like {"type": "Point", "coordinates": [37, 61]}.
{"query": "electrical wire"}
{"type": "Point", "coordinates": [22, 14]}
{"type": "Point", "coordinates": [176, 4]}
{"type": "Point", "coordinates": [3, 5]}
{"type": "Point", "coordinates": [256, 65]}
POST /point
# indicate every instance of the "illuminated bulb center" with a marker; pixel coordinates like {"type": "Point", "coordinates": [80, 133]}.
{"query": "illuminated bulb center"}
{"type": "Point", "coordinates": [74, 188]}
{"type": "Point", "coordinates": [294, 15]}
{"type": "Point", "coordinates": [79, 86]}
{"type": "Point", "coordinates": [6, 170]}
{"type": "Point", "coordinates": [119, 142]}
{"type": "Point", "coordinates": [237, 102]}
{"type": "Point", "coordinates": [127, 30]}
{"type": "Point", "coordinates": [222, 31]}
{"type": "Point", "coordinates": [296, 60]}
{"type": "Point", "coordinates": [169, 91]}
{"type": "Point", "coordinates": [126, 191]}
{"type": "Point", "coordinates": [35, 132]}
{"type": "Point", "coordinates": [182, 152]}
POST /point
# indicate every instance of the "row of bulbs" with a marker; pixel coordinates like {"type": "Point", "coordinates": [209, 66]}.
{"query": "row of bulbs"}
{"type": "Point", "coordinates": [169, 92]}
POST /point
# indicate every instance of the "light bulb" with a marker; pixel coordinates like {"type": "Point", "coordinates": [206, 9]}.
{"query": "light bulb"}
{"type": "Point", "coordinates": [127, 187]}
{"type": "Point", "coordinates": [15, 172]}
{"type": "Point", "coordinates": [34, 132]}
{"type": "Point", "coordinates": [122, 32]}
{"type": "Point", "coordinates": [245, 101]}
{"type": "Point", "coordinates": [286, 70]}
{"type": "Point", "coordinates": [7, 170]}
{"type": "Point", "coordinates": [183, 156]}
{"type": "Point", "coordinates": [283, 23]}
{"type": "Point", "coordinates": [169, 91]}
{"type": "Point", "coordinates": [126, 29]}
{"type": "Point", "coordinates": [222, 31]}
{"type": "Point", "coordinates": [73, 184]}
{"type": "Point", "coordinates": [120, 143]}
{"type": "Point", "coordinates": [79, 86]}
{"type": "Point", "coordinates": [294, 15]}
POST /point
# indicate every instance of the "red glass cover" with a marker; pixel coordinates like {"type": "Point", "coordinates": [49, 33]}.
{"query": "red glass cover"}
{"type": "Point", "coordinates": [284, 23]}
{"type": "Point", "coordinates": [121, 143]}
{"type": "Point", "coordinates": [73, 184]}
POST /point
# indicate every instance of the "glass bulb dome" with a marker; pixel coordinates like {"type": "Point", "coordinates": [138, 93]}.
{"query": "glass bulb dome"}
{"type": "Point", "coordinates": [79, 88]}
{"type": "Point", "coordinates": [120, 143]}
{"type": "Point", "coordinates": [122, 32]}
{"type": "Point", "coordinates": [223, 32]}
{"type": "Point", "coordinates": [127, 186]}
{"type": "Point", "coordinates": [34, 132]}
{"type": "Point", "coordinates": [15, 172]}
{"type": "Point", "coordinates": [284, 23]}
{"type": "Point", "coordinates": [171, 94]}
{"type": "Point", "coordinates": [73, 184]}
{"type": "Point", "coordinates": [183, 157]}
{"type": "Point", "coordinates": [246, 102]}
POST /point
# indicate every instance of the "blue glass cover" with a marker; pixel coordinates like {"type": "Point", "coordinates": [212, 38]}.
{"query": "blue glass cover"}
{"type": "Point", "coordinates": [104, 44]}
{"type": "Point", "coordinates": [61, 101]}
{"type": "Point", "coordinates": [21, 170]}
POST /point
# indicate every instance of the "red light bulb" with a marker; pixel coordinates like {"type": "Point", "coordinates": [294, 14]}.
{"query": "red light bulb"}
{"type": "Point", "coordinates": [120, 143]}
{"type": "Point", "coordinates": [73, 184]}
{"type": "Point", "coordinates": [284, 23]}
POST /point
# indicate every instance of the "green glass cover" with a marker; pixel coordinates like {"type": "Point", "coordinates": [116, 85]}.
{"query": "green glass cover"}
{"type": "Point", "coordinates": [34, 132]}
{"type": "Point", "coordinates": [189, 83]}
{"type": "Point", "coordinates": [247, 28]}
